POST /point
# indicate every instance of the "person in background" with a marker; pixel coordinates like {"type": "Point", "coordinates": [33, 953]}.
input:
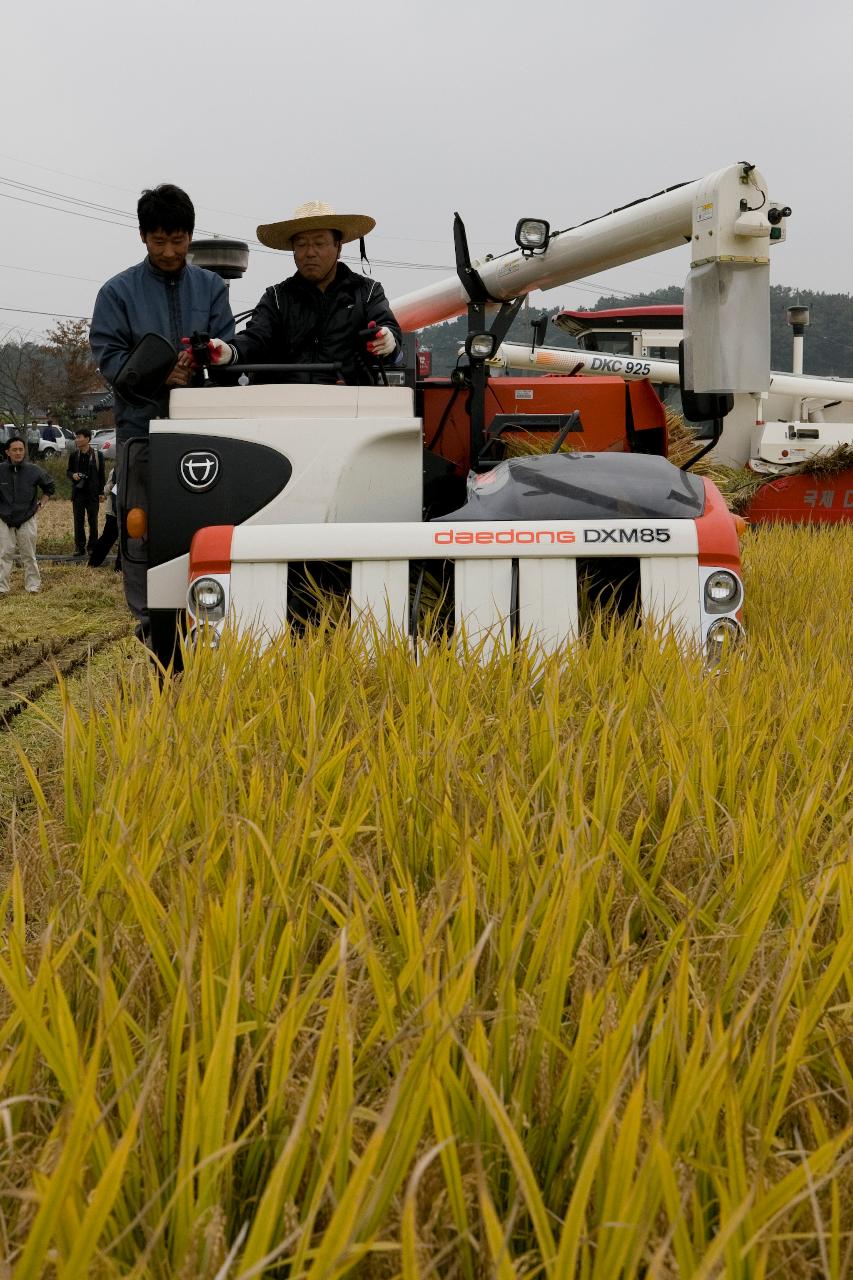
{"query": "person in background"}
{"type": "Point", "coordinates": [20, 502]}
{"type": "Point", "coordinates": [86, 473]}
{"type": "Point", "coordinates": [109, 533]}
{"type": "Point", "coordinates": [321, 314]}
{"type": "Point", "coordinates": [33, 439]}
{"type": "Point", "coordinates": [161, 294]}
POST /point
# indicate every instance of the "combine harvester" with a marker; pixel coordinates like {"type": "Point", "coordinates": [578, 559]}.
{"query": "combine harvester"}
{"type": "Point", "coordinates": [796, 440]}
{"type": "Point", "coordinates": [249, 484]}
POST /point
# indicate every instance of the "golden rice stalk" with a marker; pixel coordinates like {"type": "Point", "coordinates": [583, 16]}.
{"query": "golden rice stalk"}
{"type": "Point", "coordinates": [323, 961]}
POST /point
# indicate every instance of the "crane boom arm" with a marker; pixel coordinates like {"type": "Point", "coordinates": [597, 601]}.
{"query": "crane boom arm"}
{"type": "Point", "coordinates": [708, 213]}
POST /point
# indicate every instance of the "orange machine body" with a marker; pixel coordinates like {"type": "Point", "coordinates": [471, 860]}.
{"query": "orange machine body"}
{"type": "Point", "coordinates": [618, 416]}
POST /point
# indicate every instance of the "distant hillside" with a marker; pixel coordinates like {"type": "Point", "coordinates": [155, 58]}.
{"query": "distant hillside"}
{"type": "Point", "coordinates": [828, 341]}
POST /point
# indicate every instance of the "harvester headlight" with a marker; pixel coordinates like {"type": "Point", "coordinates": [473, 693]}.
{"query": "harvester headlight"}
{"type": "Point", "coordinates": [207, 598]}
{"type": "Point", "coordinates": [722, 591]}
{"type": "Point", "coordinates": [722, 634]}
{"type": "Point", "coordinates": [480, 346]}
{"type": "Point", "coordinates": [532, 235]}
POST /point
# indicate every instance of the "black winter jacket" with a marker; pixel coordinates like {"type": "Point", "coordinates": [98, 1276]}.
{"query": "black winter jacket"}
{"type": "Point", "coordinates": [91, 466]}
{"type": "Point", "coordinates": [297, 323]}
{"type": "Point", "coordinates": [19, 486]}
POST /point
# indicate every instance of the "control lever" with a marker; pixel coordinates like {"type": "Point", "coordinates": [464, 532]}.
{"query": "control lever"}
{"type": "Point", "coordinates": [198, 347]}
{"type": "Point", "coordinates": [367, 335]}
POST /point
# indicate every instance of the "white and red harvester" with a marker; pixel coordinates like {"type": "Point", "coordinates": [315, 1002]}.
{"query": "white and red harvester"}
{"type": "Point", "coordinates": [250, 484]}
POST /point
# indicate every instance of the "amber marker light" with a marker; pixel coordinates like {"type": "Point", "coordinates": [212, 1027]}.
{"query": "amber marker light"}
{"type": "Point", "coordinates": [136, 522]}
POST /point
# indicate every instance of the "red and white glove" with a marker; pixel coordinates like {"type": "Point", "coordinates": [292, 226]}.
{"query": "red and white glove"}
{"type": "Point", "coordinates": [220, 352]}
{"type": "Point", "coordinates": [383, 343]}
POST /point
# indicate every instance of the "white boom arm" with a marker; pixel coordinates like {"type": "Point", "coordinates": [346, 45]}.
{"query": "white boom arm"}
{"type": "Point", "coordinates": [708, 213]}
{"type": "Point", "coordinates": [517, 355]}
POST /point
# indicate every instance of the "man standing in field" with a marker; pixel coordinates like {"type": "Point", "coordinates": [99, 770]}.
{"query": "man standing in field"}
{"type": "Point", "coordinates": [33, 438]}
{"type": "Point", "coordinates": [20, 482]}
{"type": "Point", "coordinates": [86, 473]}
{"type": "Point", "coordinates": [162, 294]}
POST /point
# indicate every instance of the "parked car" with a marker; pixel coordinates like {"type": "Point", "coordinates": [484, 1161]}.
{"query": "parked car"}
{"type": "Point", "coordinates": [51, 438]}
{"type": "Point", "coordinates": [105, 442]}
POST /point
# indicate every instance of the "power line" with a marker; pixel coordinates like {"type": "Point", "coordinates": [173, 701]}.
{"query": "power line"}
{"type": "Point", "coordinates": [60, 315]}
{"type": "Point", "coordinates": [398, 264]}
{"type": "Point", "coordinates": [59, 195]}
{"type": "Point", "coordinates": [64, 173]}
{"type": "Point", "coordinates": [131, 222]}
{"type": "Point", "coordinates": [588, 285]}
{"type": "Point", "coordinates": [64, 315]}
{"type": "Point", "coordinates": [55, 209]}
{"type": "Point", "coordinates": [60, 275]}
{"type": "Point", "coordinates": [228, 213]}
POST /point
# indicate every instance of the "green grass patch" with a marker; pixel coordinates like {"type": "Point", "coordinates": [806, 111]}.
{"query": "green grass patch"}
{"type": "Point", "coordinates": [56, 468]}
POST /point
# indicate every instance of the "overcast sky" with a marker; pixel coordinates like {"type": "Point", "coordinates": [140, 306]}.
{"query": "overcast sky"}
{"type": "Point", "coordinates": [408, 111]}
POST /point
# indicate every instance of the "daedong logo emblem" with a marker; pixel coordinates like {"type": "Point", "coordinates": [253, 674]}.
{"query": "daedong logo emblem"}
{"type": "Point", "coordinates": [199, 470]}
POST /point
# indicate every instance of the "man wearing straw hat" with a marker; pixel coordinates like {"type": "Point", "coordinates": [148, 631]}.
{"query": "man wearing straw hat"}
{"type": "Point", "coordinates": [321, 314]}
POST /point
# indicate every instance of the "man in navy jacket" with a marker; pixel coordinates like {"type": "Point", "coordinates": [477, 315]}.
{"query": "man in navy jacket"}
{"type": "Point", "coordinates": [166, 295]}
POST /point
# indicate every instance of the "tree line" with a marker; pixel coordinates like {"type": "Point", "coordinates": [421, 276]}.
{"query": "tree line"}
{"type": "Point", "coordinates": [55, 377]}
{"type": "Point", "coordinates": [52, 378]}
{"type": "Point", "coordinates": [828, 345]}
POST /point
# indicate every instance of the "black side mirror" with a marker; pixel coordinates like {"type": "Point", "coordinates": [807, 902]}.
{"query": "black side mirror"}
{"type": "Point", "coordinates": [538, 330]}
{"type": "Point", "coordinates": [142, 377]}
{"type": "Point", "coordinates": [702, 406]}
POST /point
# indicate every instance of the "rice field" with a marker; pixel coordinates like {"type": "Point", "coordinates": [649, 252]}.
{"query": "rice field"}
{"type": "Point", "coordinates": [317, 963]}
{"type": "Point", "coordinates": [78, 613]}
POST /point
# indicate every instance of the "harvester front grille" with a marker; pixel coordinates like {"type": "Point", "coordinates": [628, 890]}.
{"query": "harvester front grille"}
{"type": "Point", "coordinates": [551, 600]}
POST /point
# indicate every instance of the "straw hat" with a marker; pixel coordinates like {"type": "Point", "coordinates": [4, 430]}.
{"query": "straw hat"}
{"type": "Point", "coordinates": [314, 216]}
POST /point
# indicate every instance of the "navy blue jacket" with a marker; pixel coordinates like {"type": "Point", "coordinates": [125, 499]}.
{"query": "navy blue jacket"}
{"type": "Point", "coordinates": [144, 300]}
{"type": "Point", "coordinates": [19, 486]}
